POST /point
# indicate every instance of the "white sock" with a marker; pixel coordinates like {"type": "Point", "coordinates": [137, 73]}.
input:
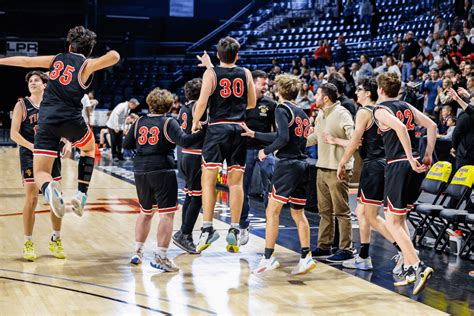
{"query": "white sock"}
{"type": "Point", "coordinates": [161, 252]}
{"type": "Point", "coordinates": [28, 238]}
{"type": "Point", "coordinates": [139, 246]}
{"type": "Point", "coordinates": [56, 235]}
{"type": "Point", "coordinates": [235, 225]}
{"type": "Point", "coordinates": [206, 224]}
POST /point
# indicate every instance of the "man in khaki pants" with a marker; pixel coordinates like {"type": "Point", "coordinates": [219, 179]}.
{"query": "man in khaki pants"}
{"type": "Point", "coordinates": [333, 195]}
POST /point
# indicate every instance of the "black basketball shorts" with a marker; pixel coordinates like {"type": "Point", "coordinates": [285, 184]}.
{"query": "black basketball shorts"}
{"type": "Point", "coordinates": [290, 182]}
{"type": "Point", "coordinates": [48, 136]}
{"type": "Point", "coordinates": [224, 142]}
{"type": "Point", "coordinates": [157, 191]}
{"type": "Point", "coordinates": [190, 167]}
{"type": "Point", "coordinates": [26, 166]}
{"type": "Point", "coordinates": [402, 186]}
{"type": "Point", "coordinates": [371, 184]}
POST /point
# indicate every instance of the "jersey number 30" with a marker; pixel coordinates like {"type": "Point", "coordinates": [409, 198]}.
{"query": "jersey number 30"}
{"type": "Point", "coordinates": [228, 88]}
{"type": "Point", "coordinates": [152, 139]}
{"type": "Point", "coordinates": [64, 74]}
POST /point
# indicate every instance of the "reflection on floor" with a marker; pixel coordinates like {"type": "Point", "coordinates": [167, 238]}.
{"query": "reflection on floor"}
{"type": "Point", "coordinates": [450, 289]}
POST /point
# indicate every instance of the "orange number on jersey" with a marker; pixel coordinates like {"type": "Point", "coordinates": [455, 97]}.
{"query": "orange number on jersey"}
{"type": "Point", "coordinates": [237, 88]}
{"type": "Point", "coordinates": [66, 78]}
{"type": "Point", "coordinates": [184, 118]}
{"type": "Point", "coordinates": [153, 139]}
{"type": "Point", "coordinates": [407, 114]}
{"type": "Point", "coordinates": [302, 128]}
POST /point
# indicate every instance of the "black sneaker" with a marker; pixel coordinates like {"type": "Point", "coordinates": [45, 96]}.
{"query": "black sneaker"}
{"type": "Point", "coordinates": [185, 242]}
{"type": "Point", "coordinates": [341, 256]}
{"type": "Point", "coordinates": [321, 254]}
{"type": "Point", "coordinates": [423, 273]}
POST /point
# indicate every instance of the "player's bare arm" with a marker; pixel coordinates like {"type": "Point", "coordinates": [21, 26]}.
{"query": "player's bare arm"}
{"type": "Point", "coordinates": [27, 62]}
{"type": "Point", "coordinates": [15, 129]}
{"type": "Point", "coordinates": [208, 82]}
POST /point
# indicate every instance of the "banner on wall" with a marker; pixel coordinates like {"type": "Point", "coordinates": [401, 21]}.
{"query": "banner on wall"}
{"type": "Point", "coordinates": [19, 48]}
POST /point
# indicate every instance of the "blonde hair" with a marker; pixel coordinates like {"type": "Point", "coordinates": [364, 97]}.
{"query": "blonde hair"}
{"type": "Point", "coordinates": [159, 101]}
{"type": "Point", "coordinates": [288, 86]}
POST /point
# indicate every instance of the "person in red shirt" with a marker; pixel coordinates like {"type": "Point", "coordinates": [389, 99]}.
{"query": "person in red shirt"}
{"type": "Point", "coordinates": [322, 54]}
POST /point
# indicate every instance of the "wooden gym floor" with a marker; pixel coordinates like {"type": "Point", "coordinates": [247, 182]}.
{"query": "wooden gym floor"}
{"type": "Point", "coordinates": [96, 277]}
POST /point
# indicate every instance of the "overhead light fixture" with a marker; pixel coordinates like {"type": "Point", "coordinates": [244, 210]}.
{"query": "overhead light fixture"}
{"type": "Point", "coordinates": [130, 17]}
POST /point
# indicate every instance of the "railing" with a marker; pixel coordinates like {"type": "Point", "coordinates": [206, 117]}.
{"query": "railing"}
{"type": "Point", "coordinates": [229, 22]}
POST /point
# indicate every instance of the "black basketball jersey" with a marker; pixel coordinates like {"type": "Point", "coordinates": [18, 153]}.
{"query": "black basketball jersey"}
{"type": "Point", "coordinates": [393, 146]}
{"type": "Point", "coordinates": [372, 142]}
{"type": "Point", "coordinates": [63, 94]}
{"type": "Point", "coordinates": [298, 128]}
{"type": "Point", "coordinates": [29, 119]}
{"type": "Point", "coordinates": [185, 120]}
{"type": "Point", "coordinates": [228, 101]}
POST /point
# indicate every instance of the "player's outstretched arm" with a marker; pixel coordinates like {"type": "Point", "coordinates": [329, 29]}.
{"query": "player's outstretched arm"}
{"type": "Point", "coordinates": [95, 64]}
{"type": "Point", "coordinates": [176, 134]}
{"type": "Point", "coordinates": [18, 113]}
{"type": "Point", "coordinates": [282, 118]}
{"type": "Point", "coordinates": [27, 62]}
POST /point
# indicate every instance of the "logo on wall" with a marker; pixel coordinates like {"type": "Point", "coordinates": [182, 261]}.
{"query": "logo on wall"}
{"type": "Point", "coordinates": [15, 48]}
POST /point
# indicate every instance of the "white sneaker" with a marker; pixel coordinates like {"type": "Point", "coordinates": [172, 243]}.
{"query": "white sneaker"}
{"type": "Point", "coordinates": [54, 197]}
{"type": "Point", "coordinates": [266, 265]}
{"type": "Point", "coordinates": [305, 265]}
{"type": "Point", "coordinates": [78, 203]}
{"type": "Point", "coordinates": [137, 258]}
{"type": "Point", "coordinates": [165, 264]}
{"type": "Point", "coordinates": [398, 258]}
{"type": "Point", "coordinates": [358, 263]}
{"type": "Point", "coordinates": [244, 235]}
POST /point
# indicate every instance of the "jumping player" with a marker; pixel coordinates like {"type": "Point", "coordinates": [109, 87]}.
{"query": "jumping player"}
{"type": "Point", "coordinates": [291, 177]}
{"type": "Point", "coordinates": [190, 167]}
{"type": "Point", "coordinates": [24, 124]}
{"type": "Point", "coordinates": [371, 186]}
{"type": "Point", "coordinates": [228, 91]}
{"type": "Point", "coordinates": [70, 74]}
{"type": "Point", "coordinates": [404, 172]}
{"type": "Point", "coordinates": [154, 137]}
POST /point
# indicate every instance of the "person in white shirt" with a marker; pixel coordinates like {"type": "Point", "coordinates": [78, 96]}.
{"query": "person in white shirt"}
{"type": "Point", "coordinates": [116, 125]}
{"type": "Point", "coordinates": [393, 67]}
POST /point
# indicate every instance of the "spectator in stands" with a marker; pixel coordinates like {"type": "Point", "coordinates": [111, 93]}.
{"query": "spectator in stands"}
{"type": "Point", "coordinates": [451, 123]}
{"type": "Point", "coordinates": [322, 54]}
{"type": "Point", "coordinates": [446, 112]}
{"type": "Point", "coordinates": [303, 64]}
{"type": "Point", "coordinates": [305, 75]}
{"type": "Point", "coordinates": [313, 80]}
{"type": "Point", "coordinates": [465, 48]}
{"type": "Point", "coordinates": [340, 83]}
{"type": "Point", "coordinates": [430, 88]}
{"type": "Point", "coordinates": [116, 125]}
{"type": "Point", "coordinates": [350, 83]}
{"type": "Point", "coordinates": [463, 141]}
{"type": "Point", "coordinates": [366, 70]}
{"type": "Point", "coordinates": [425, 49]}
{"type": "Point", "coordinates": [335, 120]}
{"type": "Point", "coordinates": [392, 66]}
{"type": "Point", "coordinates": [396, 47]}
{"type": "Point", "coordinates": [439, 26]}
{"type": "Point", "coordinates": [276, 71]}
{"type": "Point", "coordinates": [375, 19]}
{"type": "Point", "coordinates": [305, 97]}
{"type": "Point", "coordinates": [365, 12]}
{"type": "Point", "coordinates": [355, 72]}
{"type": "Point", "coordinates": [412, 49]}
{"type": "Point", "coordinates": [340, 52]}
{"type": "Point", "coordinates": [349, 12]}
{"type": "Point", "coordinates": [444, 98]}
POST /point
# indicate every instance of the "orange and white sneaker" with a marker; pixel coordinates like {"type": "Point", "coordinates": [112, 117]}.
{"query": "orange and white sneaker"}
{"type": "Point", "coordinates": [305, 265]}
{"type": "Point", "coordinates": [266, 265]}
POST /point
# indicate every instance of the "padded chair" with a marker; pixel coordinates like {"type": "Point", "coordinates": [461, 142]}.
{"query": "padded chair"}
{"type": "Point", "coordinates": [468, 246]}
{"type": "Point", "coordinates": [427, 208]}
{"type": "Point", "coordinates": [460, 188]}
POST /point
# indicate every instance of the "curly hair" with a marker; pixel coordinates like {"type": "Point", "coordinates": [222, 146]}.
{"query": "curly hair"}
{"type": "Point", "coordinates": [42, 75]}
{"type": "Point", "coordinates": [159, 101]}
{"type": "Point", "coordinates": [192, 89]}
{"type": "Point", "coordinates": [81, 40]}
{"type": "Point", "coordinates": [288, 86]}
{"type": "Point", "coordinates": [370, 85]}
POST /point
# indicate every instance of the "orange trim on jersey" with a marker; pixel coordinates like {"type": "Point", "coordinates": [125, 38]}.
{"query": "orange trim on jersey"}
{"type": "Point", "coordinates": [192, 151]}
{"type": "Point", "coordinates": [395, 211]}
{"type": "Point", "coordinates": [79, 75]}
{"type": "Point", "coordinates": [168, 209]}
{"type": "Point", "coordinates": [214, 82]}
{"type": "Point", "coordinates": [45, 152]}
{"type": "Point", "coordinates": [297, 201]}
{"type": "Point", "coordinates": [23, 107]}
{"type": "Point", "coordinates": [84, 140]}
{"type": "Point", "coordinates": [277, 197]}
{"type": "Point", "coordinates": [165, 127]}
{"type": "Point", "coordinates": [364, 200]}
{"type": "Point", "coordinates": [34, 105]}
{"type": "Point", "coordinates": [236, 167]}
